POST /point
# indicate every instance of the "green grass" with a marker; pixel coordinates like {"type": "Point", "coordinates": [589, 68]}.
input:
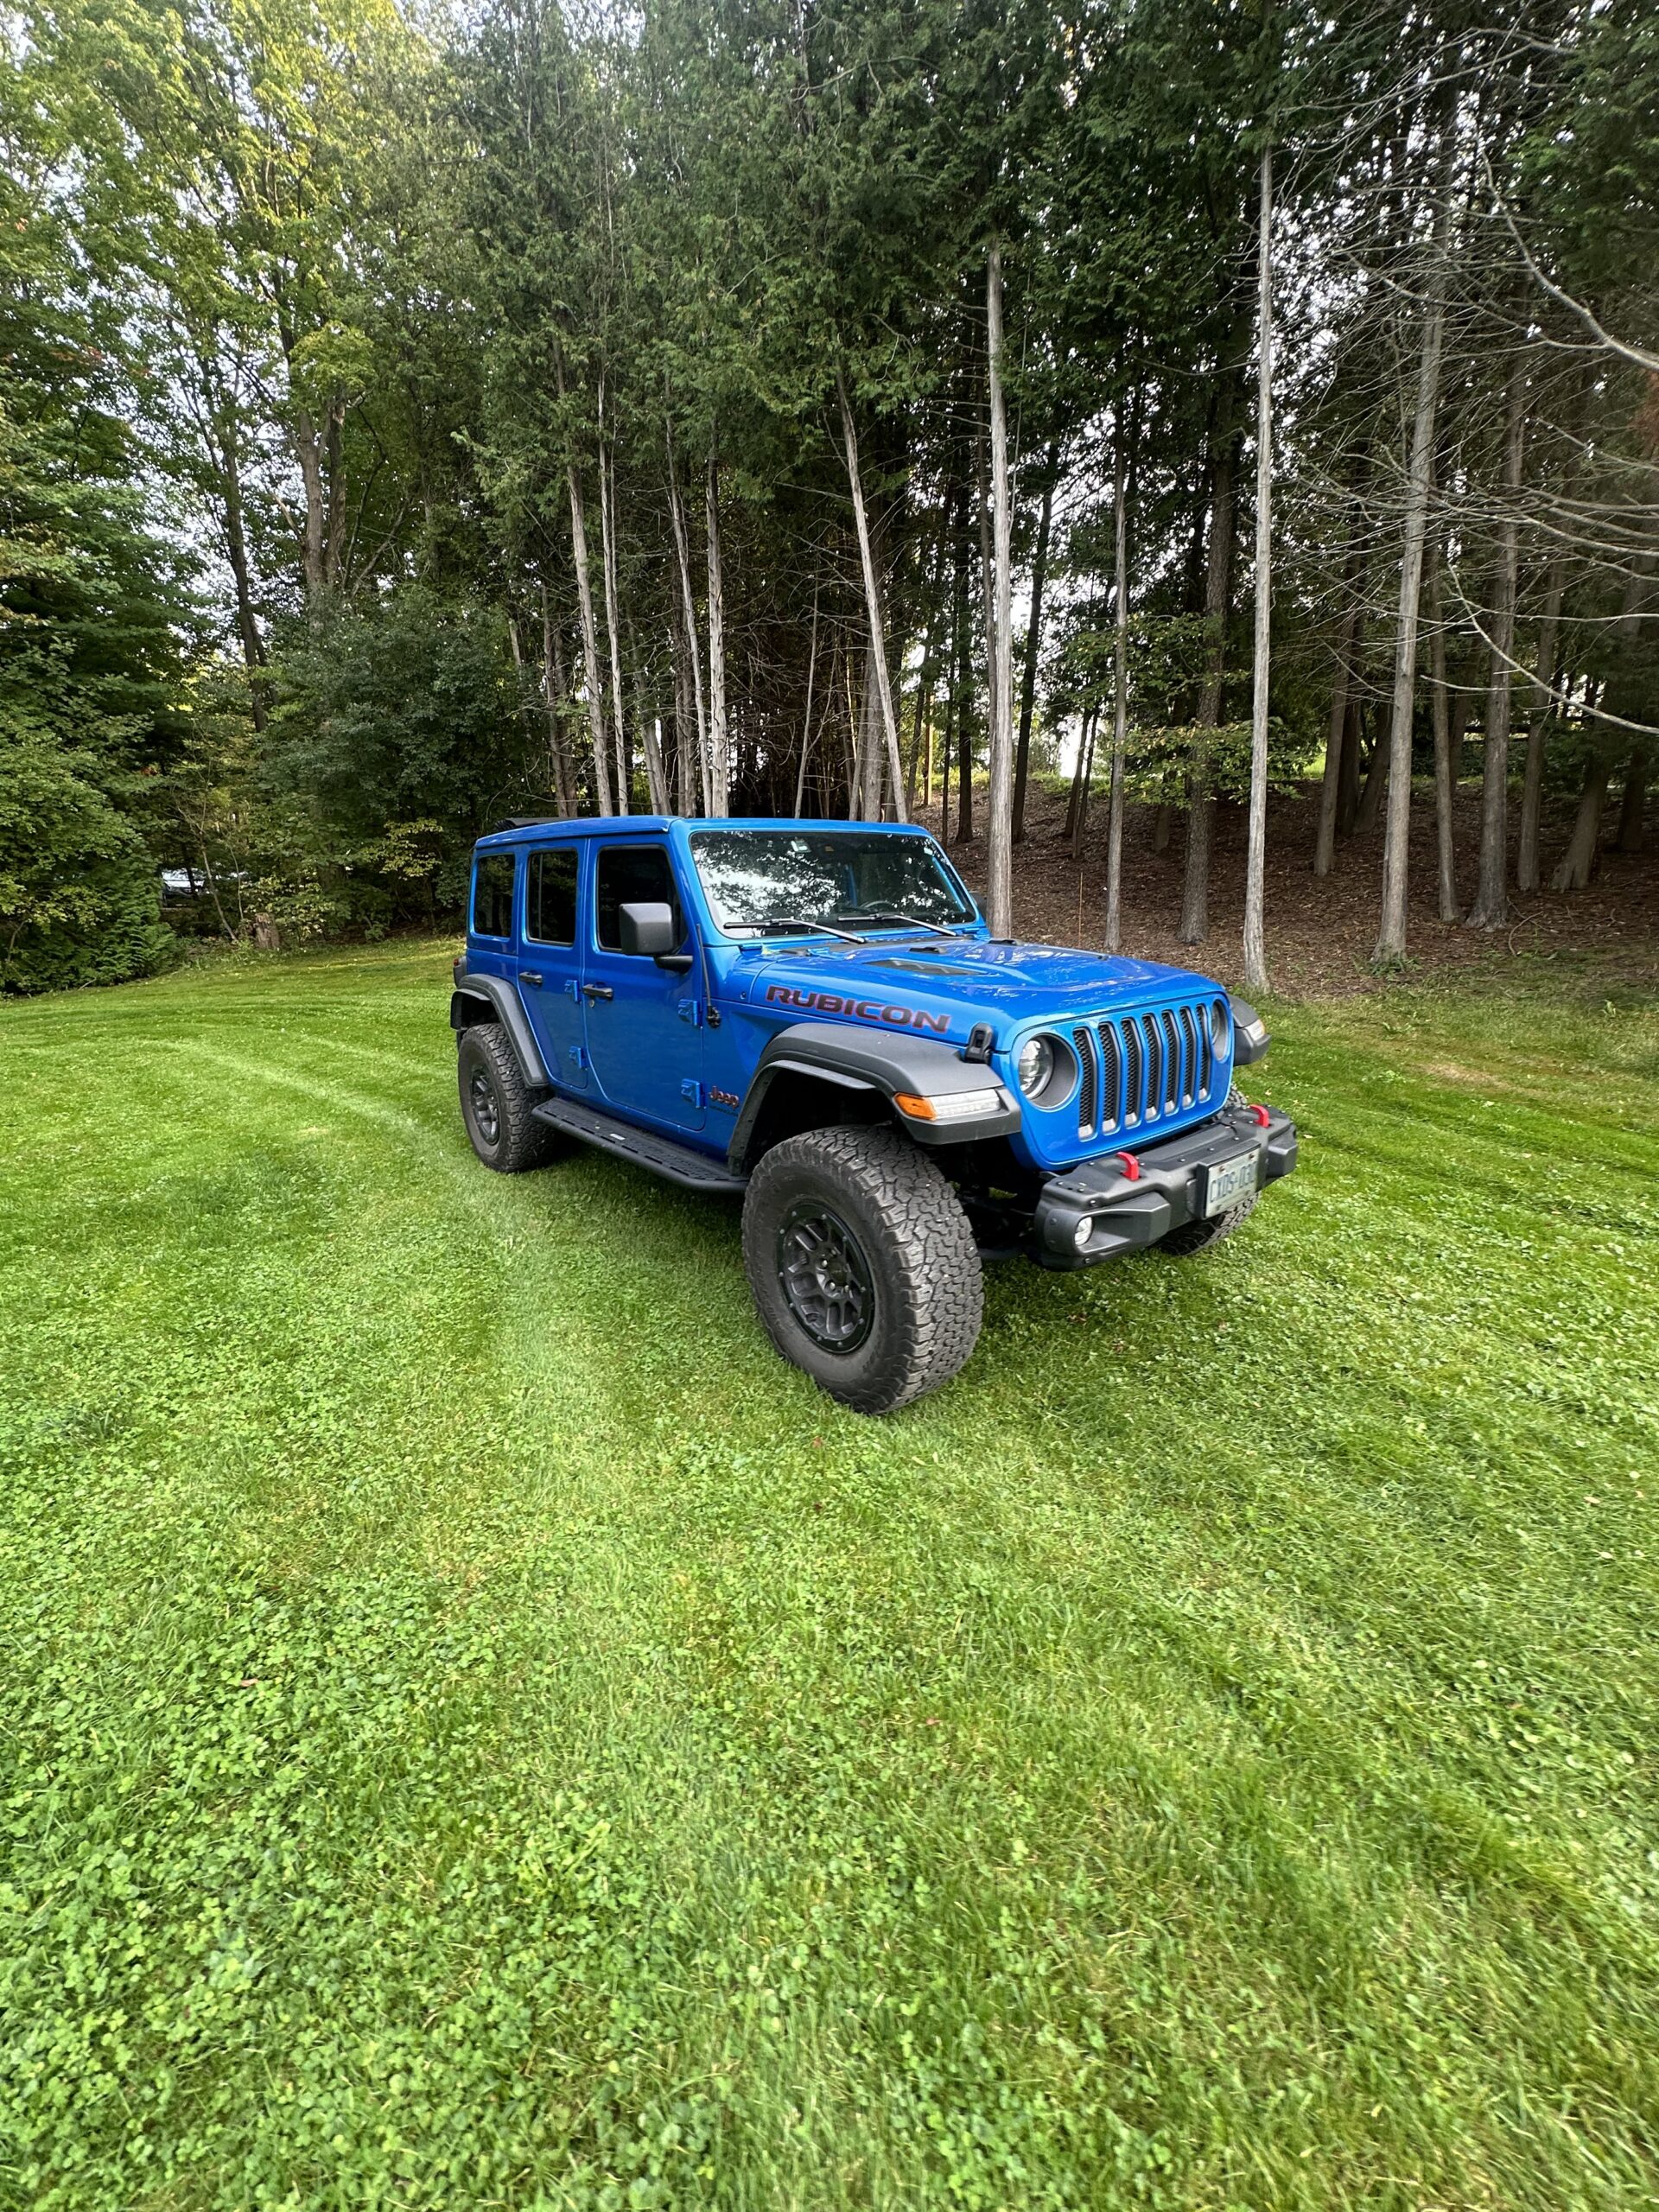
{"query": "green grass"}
{"type": "Point", "coordinates": [478, 1730]}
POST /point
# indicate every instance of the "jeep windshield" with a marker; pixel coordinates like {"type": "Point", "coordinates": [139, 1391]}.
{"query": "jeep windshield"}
{"type": "Point", "coordinates": [791, 878]}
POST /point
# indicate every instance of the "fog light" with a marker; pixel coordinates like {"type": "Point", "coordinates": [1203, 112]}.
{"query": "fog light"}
{"type": "Point", "coordinates": [1083, 1231]}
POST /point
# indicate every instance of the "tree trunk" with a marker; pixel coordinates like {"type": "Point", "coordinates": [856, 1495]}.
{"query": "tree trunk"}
{"type": "Point", "coordinates": [308, 449]}
{"type": "Point", "coordinates": [964, 745]}
{"type": "Point", "coordinates": [333, 550]}
{"type": "Point", "coordinates": [688, 614]}
{"type": "Point", "coordinates": [1390, 946]}
{"type": "Point", "coordinates": [1256, 950]}
{"type": "Point", "coordinates": [877, 655]}
{"type": "Point", "coordinates": [947, 735]}
{"type": "Point", "coordinates": [1491, 908]}
{"type": "Point", "coordinates": [1633, 805]}
{"type": "Point", "coordinates": [720, 762]}
{"type": "Point", "coordinates": [1034, 640]}
{"type": "Point", "coordinates": [247, 624]}
{"type": "Point", "coordinates": [1084, 783]}
{"type": "Point", "coordinates": [1528, 871]}
{"type": "Point", "coordinates": [922, 733]}
{"type": "Point", "coordinates": [688, 751]}
{"type": "Point", "coordinates": [1376, 785]}
{"type": "Point", "coordinates": [806, 719]}
{"type": "Point", "coordinates": [999, 807]}
{"type": "Point", "coordinates": [871, 749]}
{"type": "Point", "coordinates": [590, 644]}
{"type": "Point", "coordinates": [523, 701]}
{"type": "Point", "coordinates": [1445, 776]}
{"type": "Point", "coordinates": [1577, 863]}
{"type": "Point", "coordinates": [552, 698]}
{"type": "Point", "coordinates": [1337, 764]}
{"type": "Point", "coordinates": [1218, 602]}
{"type": "Point", "coordinates": [987, 584]}
{"type": "Point", "coordinates": [608, 554]}
{"type": "Point", "coordinates": [651, 732]}
{"type": "Point", "coordinates": [1070, 828]}
{"type": "Point", "coordinates": [1120, 685]}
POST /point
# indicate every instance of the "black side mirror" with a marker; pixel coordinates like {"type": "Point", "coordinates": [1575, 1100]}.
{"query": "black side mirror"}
{"type": "Point", "coordinates": [647, 929]}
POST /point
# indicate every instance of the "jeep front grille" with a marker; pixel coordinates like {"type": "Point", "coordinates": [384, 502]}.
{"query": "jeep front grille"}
{"type": "Point", "coordinates": [1140, 1068]}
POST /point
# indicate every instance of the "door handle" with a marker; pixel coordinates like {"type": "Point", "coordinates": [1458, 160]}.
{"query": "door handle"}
{"type": "Point", "coordinates": [599, 990]}
{"type": "Point", "coordinates": [530, 976]}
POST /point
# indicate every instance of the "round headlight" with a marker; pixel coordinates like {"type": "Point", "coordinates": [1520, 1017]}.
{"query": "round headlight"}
{"type": "Point", "coordinates": [1035, 1065]}
{"type": "Point", "coordinates": [1221, 1025]}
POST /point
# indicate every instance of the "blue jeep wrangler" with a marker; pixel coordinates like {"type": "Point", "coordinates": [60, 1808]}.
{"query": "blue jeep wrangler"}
{"type": "Point", "coordinates": [816, 1016]}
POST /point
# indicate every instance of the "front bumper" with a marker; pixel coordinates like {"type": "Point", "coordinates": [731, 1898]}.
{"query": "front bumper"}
{"type": "Point", "coordinates": [1127, 1213]}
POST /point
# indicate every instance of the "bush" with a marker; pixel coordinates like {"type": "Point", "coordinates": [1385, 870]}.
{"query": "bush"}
{"type": "Point", "coordinates": [79, 896]}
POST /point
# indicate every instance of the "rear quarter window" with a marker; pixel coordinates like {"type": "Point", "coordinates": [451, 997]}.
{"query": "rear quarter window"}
{"type": "Point", "coordinates": [493, 894]}
{"type": "Point", "coordinates": [550, 897]}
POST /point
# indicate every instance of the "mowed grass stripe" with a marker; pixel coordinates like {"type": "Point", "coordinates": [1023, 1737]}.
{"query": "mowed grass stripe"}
{"type": "Point", "coordinates": [485, 1732]}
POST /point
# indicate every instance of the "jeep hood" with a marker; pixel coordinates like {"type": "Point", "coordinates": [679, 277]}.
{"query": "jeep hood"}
{"type": "Point", "coordinates": [953, 983]}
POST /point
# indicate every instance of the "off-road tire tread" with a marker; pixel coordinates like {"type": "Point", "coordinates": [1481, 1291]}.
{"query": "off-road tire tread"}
{"type": "Point", "coordinates": [933, 1322]}
{"type": "Point", "coordinates": [1195, 1236]}
{"type": "Point", "coordinates": [525, 1142]}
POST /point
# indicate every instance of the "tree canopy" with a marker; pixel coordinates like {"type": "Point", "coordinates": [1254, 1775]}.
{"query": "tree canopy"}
{"type": "Point", "coordinates": [408, 420]}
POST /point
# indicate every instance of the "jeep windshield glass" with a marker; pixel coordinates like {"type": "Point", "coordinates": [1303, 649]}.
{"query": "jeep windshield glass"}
{"type": "Point", "coordinates": [825, 876]}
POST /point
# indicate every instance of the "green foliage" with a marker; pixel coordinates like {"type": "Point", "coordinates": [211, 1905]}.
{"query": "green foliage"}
{"type": "Point", "coordinates": [78, 898]}
{"type": "Point", "coordinates": [398, 735]}
{"type": "Point", "coordinates": [480, 1729]}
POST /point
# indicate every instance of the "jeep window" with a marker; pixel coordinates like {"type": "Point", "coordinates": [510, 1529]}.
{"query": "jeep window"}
{"type": "Point", "coordinates": [550, 896]}
{"type": "Point", "coordinates": [492, 895]}
{"type": "Point", "coordinates": [627, 874]}
{"type": "Point", "coordinates": [825, 876]}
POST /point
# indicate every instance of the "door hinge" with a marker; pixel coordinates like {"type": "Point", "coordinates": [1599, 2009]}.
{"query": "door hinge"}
{"type": "Point", "coordinates": [691, 1091]}
{"type": "Point", "coordinates": [578, 1057]}
{"type": "Point", "coordinates": [573, 989]}
{"type": "Point", "coordinates": [691, 1010]}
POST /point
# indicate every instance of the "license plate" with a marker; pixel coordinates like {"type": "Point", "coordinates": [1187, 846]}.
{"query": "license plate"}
{"type": "Point", "coordinates": [1228, 1181]}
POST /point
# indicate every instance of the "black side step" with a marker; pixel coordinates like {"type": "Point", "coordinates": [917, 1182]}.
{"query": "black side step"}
{"type": "Point", "coordinates": [677, 1162]}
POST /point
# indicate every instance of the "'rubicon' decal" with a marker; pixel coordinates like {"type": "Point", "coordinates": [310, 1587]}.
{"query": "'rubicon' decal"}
{"type": "Point", "coordinates": [902, 1017]}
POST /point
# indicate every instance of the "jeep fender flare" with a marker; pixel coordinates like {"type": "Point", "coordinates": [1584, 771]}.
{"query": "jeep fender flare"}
{"type": "Point", "coordinates": [881, 1064]}
{"type": "Point", "coordinates": [491, 998]}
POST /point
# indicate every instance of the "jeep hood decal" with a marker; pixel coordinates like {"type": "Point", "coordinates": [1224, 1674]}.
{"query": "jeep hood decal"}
{"type": "Point", "coordinates": [904, 986]}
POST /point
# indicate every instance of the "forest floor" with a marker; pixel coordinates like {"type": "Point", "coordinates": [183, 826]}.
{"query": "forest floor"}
{"type": "Point", "coordinates": [1320, 933]}
{"type": "Point", "coordinates": [480, 1731]}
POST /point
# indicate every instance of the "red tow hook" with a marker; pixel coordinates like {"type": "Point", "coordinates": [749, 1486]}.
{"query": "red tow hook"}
{"type": "Point", "coordinates": [1261, 1114]}
{"type": "Point", "coordinates": [1131, 1166]}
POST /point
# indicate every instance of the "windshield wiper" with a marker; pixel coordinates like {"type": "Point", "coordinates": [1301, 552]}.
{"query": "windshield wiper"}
{"type": "Point", "coordinates": [797, 922]}
{"type": "Point", "coordinates": [909, 921]}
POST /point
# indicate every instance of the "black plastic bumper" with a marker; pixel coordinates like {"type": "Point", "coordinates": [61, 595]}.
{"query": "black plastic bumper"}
{"type": "Point", "coordinates": [1126, 1212]}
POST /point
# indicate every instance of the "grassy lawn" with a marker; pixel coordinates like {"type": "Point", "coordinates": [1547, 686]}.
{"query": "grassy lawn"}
{"type": "Point", "coordinates": [478, 1730]}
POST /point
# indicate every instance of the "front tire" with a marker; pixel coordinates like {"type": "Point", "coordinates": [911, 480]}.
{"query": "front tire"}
{"type": "Point", "coordinates": [495, 1102]}
{"type": "Point", "coordinates": [863, 1266]}
{"type": "Point", "coordinates": [1195, 1236]}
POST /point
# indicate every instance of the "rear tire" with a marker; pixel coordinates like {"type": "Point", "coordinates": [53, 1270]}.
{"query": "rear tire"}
{"type": "Point", "coordinates": [863, 1265]}
{"type": "Point", "coordinates": [495, 1102]}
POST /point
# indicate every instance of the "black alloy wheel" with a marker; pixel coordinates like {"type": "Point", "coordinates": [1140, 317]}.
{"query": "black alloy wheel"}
{"type": "Point", "coordinates": [487, 1107]}
{"type": "Point", "coordinates": [825, 1278]}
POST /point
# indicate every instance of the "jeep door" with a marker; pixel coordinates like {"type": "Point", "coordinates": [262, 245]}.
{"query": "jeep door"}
{"type": "Point", "coordinates": [644, 1031]}
{"type": "Point", "coordinates": [550, 958]}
